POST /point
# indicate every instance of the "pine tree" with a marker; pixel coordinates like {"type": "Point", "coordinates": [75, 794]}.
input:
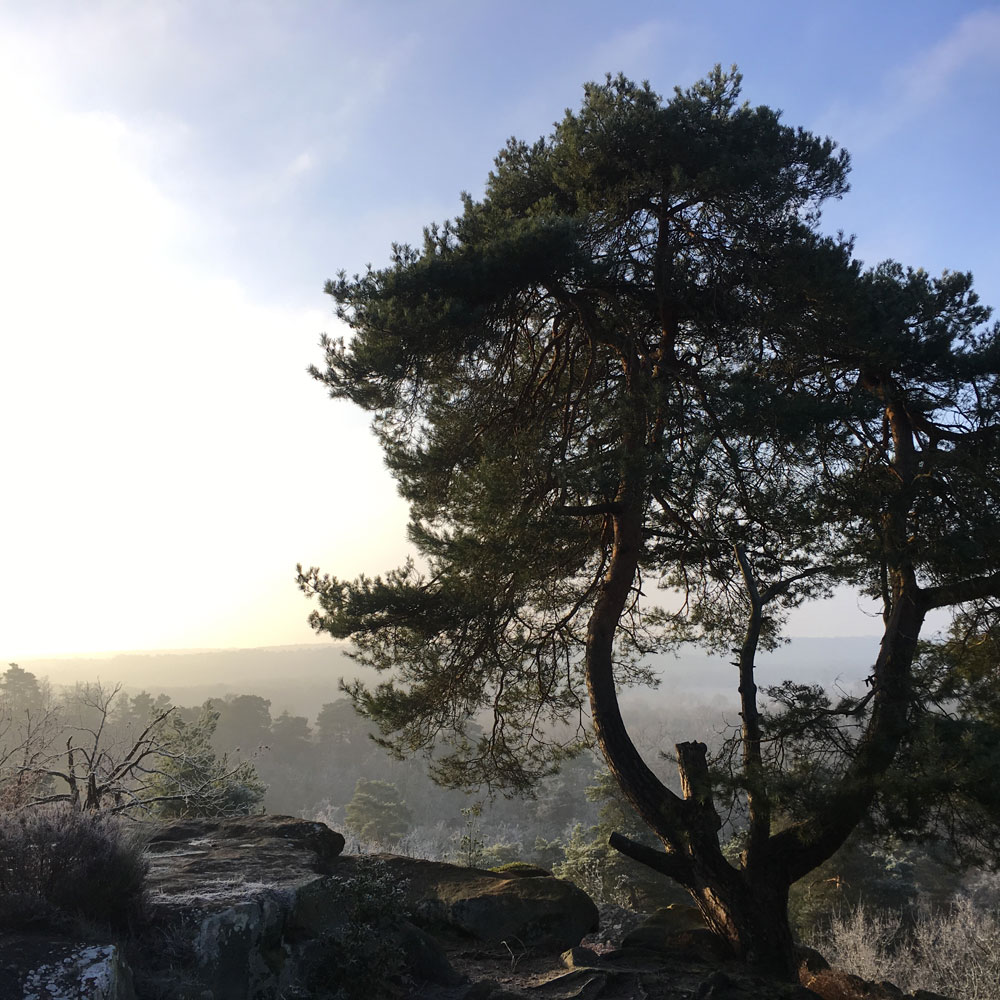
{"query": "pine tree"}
{"type": "Point", "coordinates": [190, 779]}
{"type": "Point", "coordinates": [636, 360]}
{"type": "Point", "coordinates": [376, 813]}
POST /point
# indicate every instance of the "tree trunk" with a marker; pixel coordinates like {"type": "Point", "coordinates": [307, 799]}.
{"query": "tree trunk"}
{"type": "Point", "coordinates": [746, 907]}
{"type": "Point", "coordinates": [752, 916]}
{"type": "Point", "coordinates": [750, 913]}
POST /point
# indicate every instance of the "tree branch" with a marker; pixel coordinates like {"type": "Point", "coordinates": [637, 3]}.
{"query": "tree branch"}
{"type": "Point", "coordinates": [585, 510]}
{"type": "Point", "coordinates": [965, 590]}
{"type": "Point", "coordinates": [671, 865]}
{"type": "Point", "coordinates": [780, 586]}
{"type": "Point", "coordinates": [696, 786]}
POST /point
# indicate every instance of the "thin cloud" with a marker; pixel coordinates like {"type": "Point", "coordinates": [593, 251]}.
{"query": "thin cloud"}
{"type": "Point", "coordinates": [302, 164]}
{"type": "Point", "coordinates": [974, 43]}
{"type": "Point", "coordinates": [912, 90]}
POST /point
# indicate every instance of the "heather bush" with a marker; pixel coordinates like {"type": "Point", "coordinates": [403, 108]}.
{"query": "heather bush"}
{"type": "Point", "coordinates": [954, 950]}
{"type": "Point", "coordinates": [363, 959]}
{"type": "Point", "coordinates": [59, 864]}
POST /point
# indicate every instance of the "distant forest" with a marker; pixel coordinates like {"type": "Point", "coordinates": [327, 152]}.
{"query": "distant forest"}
{"type": "Point", "coordinates": [324, 764]}
{"type": "Point", "coordinates": [302, 678]}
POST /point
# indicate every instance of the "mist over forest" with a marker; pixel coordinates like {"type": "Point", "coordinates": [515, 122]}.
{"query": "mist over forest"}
{"type": "Point", "coordinates": [280, 711]}
{"type": "Point", "coordinates": [269, 730]}
{"type": "Point", "coordinates": [300, 678]}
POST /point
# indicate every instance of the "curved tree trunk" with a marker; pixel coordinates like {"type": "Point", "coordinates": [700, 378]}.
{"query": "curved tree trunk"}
{"type": "Point", "coordinates": [746, 906]}
{"type": "Point", "coordinates": [747, 909]}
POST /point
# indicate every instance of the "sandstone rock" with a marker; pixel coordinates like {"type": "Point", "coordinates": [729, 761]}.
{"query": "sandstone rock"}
{"type": "Point", "coordinates": [836, 984]}
{"type": "Point", "coordinates": [35, 967]}
{"type": "Point", "coordinates": [539, 912]}
{"type": "Point", "coordinates": [738, 983]}
{"type": "Point", "coordinates": [521, 869]}
{"type": "Point", "coordinates": [677, 917]}
{"type": "Point", "coordinates": [423, 955]}
{"type": "Point", "coordinates": [655, 936]}
{"type": "Point", "coordinates": [580, 958]}
{"type": "Point", "coordinates": [579, 984]}
{"type": "Point", "coordinates": [200, 848]}
{"type": "Point", "coordinates": [254, 907]}
{"type": "Point", "coordinates": [810, 961]}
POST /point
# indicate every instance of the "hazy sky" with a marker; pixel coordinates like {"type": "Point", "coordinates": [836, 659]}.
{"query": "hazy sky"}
{"type": "Point", "coordinates": [178, 180]}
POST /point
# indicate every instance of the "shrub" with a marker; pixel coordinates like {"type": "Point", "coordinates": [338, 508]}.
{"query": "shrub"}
{"type": "Point", "coordinates": [469, 848]}
{"type": "Point", "coordinates": [954, 950]}
{"type": "Point", "coordinates": [609, 877]}
{"type": "Point", "coordinates": [57, 863]}
{"type": "Point", "coordinates": [363, 959]}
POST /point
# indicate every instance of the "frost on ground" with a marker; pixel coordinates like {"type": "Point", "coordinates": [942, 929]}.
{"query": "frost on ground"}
{"type": "Point", "coordinates": [90, 972]}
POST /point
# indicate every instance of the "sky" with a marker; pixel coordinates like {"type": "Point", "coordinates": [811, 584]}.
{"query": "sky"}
{"type": "Point", "coordinates": [179, 178]}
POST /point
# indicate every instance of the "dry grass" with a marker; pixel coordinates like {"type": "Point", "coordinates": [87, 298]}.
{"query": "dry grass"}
{"type": "Point", "coordinates": [954, 951]}
{"type": "Point", "coordinates": [58, 863]}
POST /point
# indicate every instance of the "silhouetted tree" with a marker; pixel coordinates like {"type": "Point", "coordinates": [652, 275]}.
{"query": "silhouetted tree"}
{"type": "Point", "coordinates": [636, 359]}
{"type": "Point", "coordinates": [20, 690]}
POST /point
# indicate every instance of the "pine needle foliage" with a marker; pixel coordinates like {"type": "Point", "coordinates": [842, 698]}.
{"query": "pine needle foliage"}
{"type": "Point", "coordinates": [637, 361]}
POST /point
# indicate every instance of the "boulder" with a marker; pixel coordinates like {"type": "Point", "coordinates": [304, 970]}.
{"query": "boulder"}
{"type": "Point", "coordinates": [254, 907]}
{"type": "Point", "coordinates": [540, 912]}
{"type": "Point", "coordinates": [38, 967]}
{"type": "Point", "coordinates": [521, 869]}
{"type": "Point", "coordinates": [677, 929]}
{"type": "Point", "coordinates": [580, 958]}
{"type": "Point", "coordinates": [836, 984]}
{"type": "Point", "coordinates": [268, 906]}
{"type": "Point", "coordinates": [252, 848]}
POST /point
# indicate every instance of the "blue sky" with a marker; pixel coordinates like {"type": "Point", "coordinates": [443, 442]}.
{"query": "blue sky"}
{"type": "Point", "coordinates": [180, 178]}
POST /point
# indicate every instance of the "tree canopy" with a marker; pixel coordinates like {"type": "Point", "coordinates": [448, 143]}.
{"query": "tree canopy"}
{"type": "Point", "coordinates": [637, 361]}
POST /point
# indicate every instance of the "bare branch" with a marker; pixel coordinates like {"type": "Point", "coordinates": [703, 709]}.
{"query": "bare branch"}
{"type": "Point", "coordinates": [670, 864]}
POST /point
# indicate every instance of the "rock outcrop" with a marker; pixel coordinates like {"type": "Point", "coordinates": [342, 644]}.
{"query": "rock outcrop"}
{"type": "Point", "coordinates": [261, 906]}
{"type": "Point", "coordinates": [266, 907]}
{"type": "Point", "coordinates": [39, 967]}
{"type": "Point", "coordinates": [538, 911]}
{"type": "Point", "coordinates": [258, 907]}
{"type": "Point", "coordinates": [669, 960]}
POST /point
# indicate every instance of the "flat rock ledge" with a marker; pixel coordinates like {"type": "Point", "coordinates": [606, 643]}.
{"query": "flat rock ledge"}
{"type": "Point", "coordinates": [537, 911]}
{"type": "Point", "coordinates": [250, 909]}
{"type": "Point", "coordinates": [668, 959]}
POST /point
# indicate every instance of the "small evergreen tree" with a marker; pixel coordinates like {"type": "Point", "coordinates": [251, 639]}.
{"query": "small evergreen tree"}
{"type": "Point", "coordinates": [376, 813]}
{"type": "Point", "coordinates": [20, 690]}
{"type": "Point", "coordinates": [190, 779]}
